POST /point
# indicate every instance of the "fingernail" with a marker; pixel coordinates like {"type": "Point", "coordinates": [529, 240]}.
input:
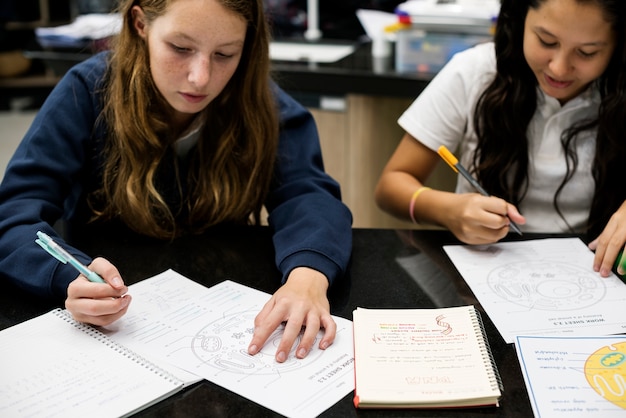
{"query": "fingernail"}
{"type": "Point", "coordinates": [117, 282]}
{"type": "Point", "coordinates": [302, 352]}
{"type": "Point", "coordinates": [281, 357]}
{"type": "Point", "coordinates": [252, 349]}
{"type": "Point", "coordinates": [324, 345]}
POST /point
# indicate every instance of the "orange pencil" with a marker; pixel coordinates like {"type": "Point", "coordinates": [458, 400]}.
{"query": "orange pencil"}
{"type": "Point", "coordinates": [454, 163]}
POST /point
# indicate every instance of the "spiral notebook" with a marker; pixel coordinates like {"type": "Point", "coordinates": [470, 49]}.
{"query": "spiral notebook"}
{"type": "Point", "coordinates": [423, 358]}
{"type": "Point", "coordinates": [54, 366]}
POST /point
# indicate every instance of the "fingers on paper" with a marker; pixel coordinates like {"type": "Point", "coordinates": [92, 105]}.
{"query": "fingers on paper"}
{"type": "Point", "coordinates": [609, 253]}
{"type": "Point", "coordinates": [266, 321]}
{"type": "Point", "coordinates": [330, 331]}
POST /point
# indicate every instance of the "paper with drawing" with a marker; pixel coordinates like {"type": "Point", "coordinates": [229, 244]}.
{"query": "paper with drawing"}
{"type": "Point", "coordinates": [573, 377]}
{"type": "Point", "coordinates": [542, 287]}
{"type": "Point", "coordinates": [206, 331]}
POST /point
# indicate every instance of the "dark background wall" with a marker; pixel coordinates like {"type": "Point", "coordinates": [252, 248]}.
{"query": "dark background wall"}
{"type": "Point", "coordinates": [337, 17]}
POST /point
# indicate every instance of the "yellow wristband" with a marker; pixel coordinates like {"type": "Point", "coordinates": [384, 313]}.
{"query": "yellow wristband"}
{"type": "Point", "coordinates": [412, 204]}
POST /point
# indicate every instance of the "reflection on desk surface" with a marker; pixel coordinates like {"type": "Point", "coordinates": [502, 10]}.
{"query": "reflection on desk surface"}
{"type": "Point", "coordinates": [431, 279]}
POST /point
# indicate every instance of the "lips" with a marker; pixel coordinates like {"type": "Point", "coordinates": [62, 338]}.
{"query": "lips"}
{"type": "Point", "coordinates": [556, 83]}
{"type": "Point", "coordinates": [193, 98]}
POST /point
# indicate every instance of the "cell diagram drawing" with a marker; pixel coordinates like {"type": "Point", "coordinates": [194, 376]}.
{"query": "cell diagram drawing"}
{"type": "Point", "coordinates": [223, 345]}
{"type": "Point", "coordinates": [546, 285]}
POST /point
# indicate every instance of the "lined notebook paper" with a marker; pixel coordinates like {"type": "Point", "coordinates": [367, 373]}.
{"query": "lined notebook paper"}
{"type": "Point", "coordinates": [54, 366]}
{"type": "Point", "coordinates": [423, 358]}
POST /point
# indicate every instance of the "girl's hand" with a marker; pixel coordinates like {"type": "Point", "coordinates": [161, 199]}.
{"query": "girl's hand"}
{"type": "Point", "coordinates": [609, 243]}
{"type": "Point", "coordinates": [98, 303]}
{"type": "Point", "coordinates": [476, 219]}
{"type": "Point", "coordinates": [302, 303]}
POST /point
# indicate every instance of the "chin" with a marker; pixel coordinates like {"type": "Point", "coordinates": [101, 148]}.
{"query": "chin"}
{"type": "Point", "coordinates": [190, 109]}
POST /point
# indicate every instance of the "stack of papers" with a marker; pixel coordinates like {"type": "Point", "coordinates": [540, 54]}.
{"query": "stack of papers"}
{"type": "Point", "coordinates": [84, 29]}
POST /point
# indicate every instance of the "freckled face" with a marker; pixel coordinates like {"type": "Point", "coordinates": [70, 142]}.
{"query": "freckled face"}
{"type": "Point", "coordinates": [567, 46]}
{"type": "Point", "coordinates": [195, 48]}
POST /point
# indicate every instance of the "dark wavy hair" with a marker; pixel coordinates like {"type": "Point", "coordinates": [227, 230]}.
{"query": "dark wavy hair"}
{"type": "Point", "coordinates": [507, 106]}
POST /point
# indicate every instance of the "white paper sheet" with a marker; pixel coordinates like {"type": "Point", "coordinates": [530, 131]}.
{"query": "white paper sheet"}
{"type": "Point", "coordinates": [542, 287]}
{"type": "Point", "coordinates": [572, 377]}
{"type": "Point", "coordinates": [54, 367]}
{"type": "Point", "coordinates": [206, 331]}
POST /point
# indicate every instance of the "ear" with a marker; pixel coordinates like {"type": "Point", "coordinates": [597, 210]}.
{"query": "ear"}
{"type": "Point", "coordinates": [139, 21]}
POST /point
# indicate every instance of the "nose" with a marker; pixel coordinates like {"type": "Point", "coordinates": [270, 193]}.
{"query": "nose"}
{"type": "Point", "coordinates": [560, 64]}
{"type": "Point", "coordinates": [199, 72]}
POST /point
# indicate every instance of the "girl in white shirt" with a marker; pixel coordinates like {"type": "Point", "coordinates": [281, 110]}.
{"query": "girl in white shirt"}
{"type": "Point", "coordinates": [538, 117]}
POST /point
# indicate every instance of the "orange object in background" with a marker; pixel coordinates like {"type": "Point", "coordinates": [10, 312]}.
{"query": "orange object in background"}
{"type": "Point", "coordinates": [13, 63]}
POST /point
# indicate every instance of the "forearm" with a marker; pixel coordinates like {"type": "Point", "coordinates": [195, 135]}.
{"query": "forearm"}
{"type": "Point", "coordinates": [394, 191]}
{"type": "Point", "coordinates": [397, 190]}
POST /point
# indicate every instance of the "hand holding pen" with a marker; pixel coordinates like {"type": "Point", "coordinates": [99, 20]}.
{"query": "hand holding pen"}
{"type": "Point", "coordinates": [64, 257]}
{"type": "Point", "coordinates": [454, 163]}
{"type": "Point", "coordinates": [98, 304]}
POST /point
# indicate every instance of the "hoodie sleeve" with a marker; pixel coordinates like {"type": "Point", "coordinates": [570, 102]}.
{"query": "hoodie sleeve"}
{"type": "Point", "coordinates": [43, 178]}
{"type": "Point", "coordinates": [312, 227]}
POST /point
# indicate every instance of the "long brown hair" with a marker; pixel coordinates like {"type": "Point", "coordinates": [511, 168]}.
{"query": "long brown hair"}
{"type": "Point", "coordinates": [231, 170]}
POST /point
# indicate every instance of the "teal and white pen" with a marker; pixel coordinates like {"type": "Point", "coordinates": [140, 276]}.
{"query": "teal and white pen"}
{"type": "Point", "coordinates": [64, 257]}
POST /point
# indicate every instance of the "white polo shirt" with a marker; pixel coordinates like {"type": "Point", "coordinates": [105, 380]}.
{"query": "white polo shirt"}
{"type": "Point", "coordinates": [442, 115]}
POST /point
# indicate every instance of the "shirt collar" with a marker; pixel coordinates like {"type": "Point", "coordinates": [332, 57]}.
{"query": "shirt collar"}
{"type": "Point", "coordinates": [549, 106]}
{"type": "Point", "coordinates": [189, 137]}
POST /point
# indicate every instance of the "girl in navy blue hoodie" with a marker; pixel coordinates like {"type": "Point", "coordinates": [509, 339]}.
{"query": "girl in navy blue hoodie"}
{"type": "Point", "coordinates": [176, 129]}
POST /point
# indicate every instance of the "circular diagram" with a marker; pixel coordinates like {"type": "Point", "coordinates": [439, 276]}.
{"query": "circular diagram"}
{"type": "Point", "coordinates": [223, 344]}
{"type": "Point", "coordinates": [605, 371]}
{"type": "Point", "coordinates": [546, 285]}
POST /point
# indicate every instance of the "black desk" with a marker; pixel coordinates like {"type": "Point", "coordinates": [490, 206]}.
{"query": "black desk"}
{"type": "Point", "coordinates": [390, 269]}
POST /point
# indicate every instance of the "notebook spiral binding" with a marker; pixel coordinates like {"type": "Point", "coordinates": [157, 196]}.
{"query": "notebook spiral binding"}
{"type": "Point", "coordinates": [485, 349]}
{"type": "Point", "coordinates": [94, 333]}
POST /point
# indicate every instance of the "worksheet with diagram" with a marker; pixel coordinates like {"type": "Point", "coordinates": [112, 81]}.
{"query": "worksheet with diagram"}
{"type": "Point", "coordinates": [574, 377]}
{"type": "Point", "coordinates": [542, 287]}
{"type": "Point", "coordinates": [206, 331]}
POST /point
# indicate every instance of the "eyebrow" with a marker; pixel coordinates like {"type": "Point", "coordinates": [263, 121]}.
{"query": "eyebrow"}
{"type": "Point", "coordinates": [544, 31]}
{"type": "Point", "coordinates": [183, 35]}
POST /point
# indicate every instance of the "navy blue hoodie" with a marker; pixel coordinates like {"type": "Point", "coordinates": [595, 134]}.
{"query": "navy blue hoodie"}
{"type": "Point", "coordinates": [57, 165]}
